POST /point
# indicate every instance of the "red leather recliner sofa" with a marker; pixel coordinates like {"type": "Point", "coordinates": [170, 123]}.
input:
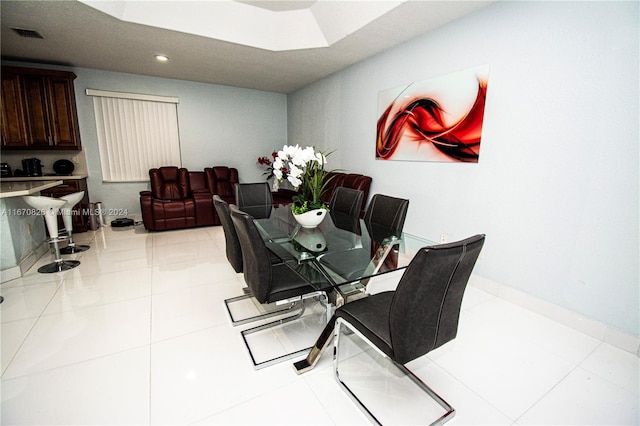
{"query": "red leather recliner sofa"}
{"type": "Point", "coordinates": [184, 199]}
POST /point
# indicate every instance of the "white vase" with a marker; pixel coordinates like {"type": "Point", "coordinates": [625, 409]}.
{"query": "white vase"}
{"type": "Point", "coordinates": [311, 239]}
{"type": "Point", "coordinates": [311, 219]}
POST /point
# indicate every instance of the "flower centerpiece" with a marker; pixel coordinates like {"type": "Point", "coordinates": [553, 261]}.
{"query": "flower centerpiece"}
{"type": "Point", "coordinates": [304, 169]}
{"type": "Point", "coordinates": [268, 163]}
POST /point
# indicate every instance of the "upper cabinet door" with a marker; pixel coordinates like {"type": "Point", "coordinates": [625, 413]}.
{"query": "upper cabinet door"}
{"type": "Point", "coordinates": [39, 109]}
{"type": "Point", "coordinates": [35, 99]}
{"type": "Point", "coordinates": [14, 130]}
{"type": "Point", "coordinates": [62, 110]}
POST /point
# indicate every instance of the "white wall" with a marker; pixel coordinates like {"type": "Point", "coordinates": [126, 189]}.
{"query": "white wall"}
{"type": "Point", "coordinates": [218, 125]}
{"type": "Point", "coordinates": [557, 186]}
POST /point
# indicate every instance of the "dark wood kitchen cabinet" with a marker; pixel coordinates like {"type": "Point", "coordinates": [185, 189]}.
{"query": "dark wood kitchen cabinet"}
{"type": "Point", "coordinates": [14, 130]}
{"type": "Point", "coordinates": [39, 109]}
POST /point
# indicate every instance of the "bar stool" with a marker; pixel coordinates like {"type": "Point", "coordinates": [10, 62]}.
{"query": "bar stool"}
{"type": "Point", "coordinates": [67, 218]}
{"type": "Point", "coordinates": [50, 207]}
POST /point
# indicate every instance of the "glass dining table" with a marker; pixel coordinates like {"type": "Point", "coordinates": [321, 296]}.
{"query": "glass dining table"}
{"type": "Point", "coordinates": [339, 256]}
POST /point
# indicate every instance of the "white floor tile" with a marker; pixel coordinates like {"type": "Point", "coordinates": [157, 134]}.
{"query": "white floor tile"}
{"type": "Point", "coordinates": [82, 334]}
{"type": "Point", "coordinates": [204, 373]}
{"type": "Point", "coordinates": [192, 251]}
{"type": "Point", "coordinates": [95, 262]}
{"type": "Point", "coordinates": [584, 398]}
{"type": "Point", "coordinates": [615, 365]}
{"type": "Point", "coordinates": [128, 242]}
{"type": "Point", "coordinates": [471, 408]}
{"type": "Point", "coordinates": [27, 301]}
{"type": "Point", "coordinates": [190, 308]}
{"type": "Point", "coordinates": [111, 390]}
{"type": "Point", "coordinates": [172, 277]}
{"type": "Point", "coordinates": [510, 376]}
{"type": "Point", "coordinates": [13, 335]}
{"type": "Point", "coordinates": [139, 334]}
{"type": "Point", "coordinates": [292, 404]}
{"type": "Point", "coordinates": [96, 290]}
{"type": "Point", "coordinates": [181, 236]}
{"type": "Point", "coordinates": [341, 409]}
{"type": "Point", "coordinates": [513, 322]}
{"type": "Point", "coordinates": [32, 276]}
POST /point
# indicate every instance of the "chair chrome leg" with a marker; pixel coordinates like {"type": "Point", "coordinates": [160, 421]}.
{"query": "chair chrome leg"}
{"type": "Point", "coordinates": [450, 411]}
{"type": "Point", "coordinates": [272, 361]}
{"type": "Point", "coordinates": [279, 311]}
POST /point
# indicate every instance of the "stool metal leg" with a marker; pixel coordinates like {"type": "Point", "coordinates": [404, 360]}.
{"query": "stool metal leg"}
{"type": "Point", "coordinates": [67, 218]}
{"type": "Point", "coordinates": [59, 264]}
{"type": "Point", "coordinates": [72, 247]}
{"type": "Point", "coordinates": [50, 207]}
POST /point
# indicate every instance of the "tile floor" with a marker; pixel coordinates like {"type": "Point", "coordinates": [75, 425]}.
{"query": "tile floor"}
{"type": "Point", "coordinates": [138, 334]}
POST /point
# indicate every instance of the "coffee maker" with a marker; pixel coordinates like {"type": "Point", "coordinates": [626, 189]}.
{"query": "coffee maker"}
{"type": "Point", "coordinates": [32, 166]}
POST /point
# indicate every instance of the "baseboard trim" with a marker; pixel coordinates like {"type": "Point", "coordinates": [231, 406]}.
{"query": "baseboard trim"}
{"type": "Point", "coordinates": [588, 326]}
{"type": "Point", "coordinates": [25, 264]}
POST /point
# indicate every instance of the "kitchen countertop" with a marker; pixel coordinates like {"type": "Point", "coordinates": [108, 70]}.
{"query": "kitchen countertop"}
{"type": "Point", "coordinates": [18, 189]}
{"type": "Point", "coordinates": [40, 178]}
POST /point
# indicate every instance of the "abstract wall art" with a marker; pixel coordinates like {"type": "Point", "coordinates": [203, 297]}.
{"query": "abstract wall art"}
{"type": "Point", "coordinates": [439, 119]}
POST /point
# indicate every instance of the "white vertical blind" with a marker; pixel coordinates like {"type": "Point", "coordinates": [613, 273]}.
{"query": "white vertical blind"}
{"type": "Point", "coordinates": [135, 136]}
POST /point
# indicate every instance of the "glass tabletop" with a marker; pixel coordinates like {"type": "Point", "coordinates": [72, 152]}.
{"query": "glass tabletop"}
{"type": "Point", "coordinates": [341, 250]}
{"type": "Point", "coordinates": [341, 254]}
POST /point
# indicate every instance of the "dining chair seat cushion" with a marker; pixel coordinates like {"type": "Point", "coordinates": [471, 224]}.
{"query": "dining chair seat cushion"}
{"type": "Point", "coordinates": [374, 312]}
{"type": "Point", "coordinates": [286, 284]}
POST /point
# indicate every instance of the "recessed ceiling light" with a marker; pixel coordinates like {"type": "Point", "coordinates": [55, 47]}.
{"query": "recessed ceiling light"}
{"type": "Point", "coordinates": [162, 58]}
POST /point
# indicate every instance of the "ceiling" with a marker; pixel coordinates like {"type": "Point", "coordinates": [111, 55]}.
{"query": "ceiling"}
{"type": "Point", "coordinates": [277, 46]}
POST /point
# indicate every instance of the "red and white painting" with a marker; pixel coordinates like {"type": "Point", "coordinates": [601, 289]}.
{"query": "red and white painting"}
{"type": "Point", "coordinates": [439, 119]}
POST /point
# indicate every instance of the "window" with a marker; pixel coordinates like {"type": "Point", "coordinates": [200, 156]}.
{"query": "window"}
{"type": "Point", "coordinates": [135, 133]}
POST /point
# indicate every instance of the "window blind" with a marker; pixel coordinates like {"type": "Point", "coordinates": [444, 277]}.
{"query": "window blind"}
{"type": "Point", "coordinates": [135, 135]}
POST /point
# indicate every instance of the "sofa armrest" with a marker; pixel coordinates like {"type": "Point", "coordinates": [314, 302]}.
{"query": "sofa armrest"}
{"type": "Point", "coordinates": [147, 210]}
{"type": "Point", "coordinates": [204, 208]}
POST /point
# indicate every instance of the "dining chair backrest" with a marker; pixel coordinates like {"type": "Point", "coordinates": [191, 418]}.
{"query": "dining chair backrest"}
{"type": "Point", "coordinates": [386, 212]}
{"type": "Point", "coordinates": [255, 198]}
{"type": "Point", "coordinates": [426, 304]}
{"type": "Point", "coordinates": [346, 201]}
{"type": "Point", "coordinates": [233, 249]}
{"type": "Point", "coordinates": [256, 263]}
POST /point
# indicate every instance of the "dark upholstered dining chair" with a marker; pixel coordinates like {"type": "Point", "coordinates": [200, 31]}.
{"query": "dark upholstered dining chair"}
{"type": "Point", "coordinates": [232, 243]}
{"type": "Point", "coordinates": [255, 198]}
{"type": "Point", "coordinates": [269, 282]}
{"type": "Point", "coordinates": [419, 316]}
{"type": "Point", "coordinates": [344, 209]}
{"type": "Point", "coordinates": [346, 201]}
{"type": "Point", "coordinates": [384, 216]}
{"type": "Point", "coordinates": [386, 212]}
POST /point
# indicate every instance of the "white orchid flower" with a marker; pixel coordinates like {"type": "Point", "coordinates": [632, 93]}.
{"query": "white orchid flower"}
{"type": "Point", "coordinates": [290, 151]}
{"type": "Point", "coordinates": [298, 160]}
{"type": "Point", "coordinates": [295, 171]}
{"type": "Point", "coordinates": [296, 182]}
{"type": "Point", "coordinates": [320, 158]}
{"type": "Point", "coordinates": [308, 154]}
